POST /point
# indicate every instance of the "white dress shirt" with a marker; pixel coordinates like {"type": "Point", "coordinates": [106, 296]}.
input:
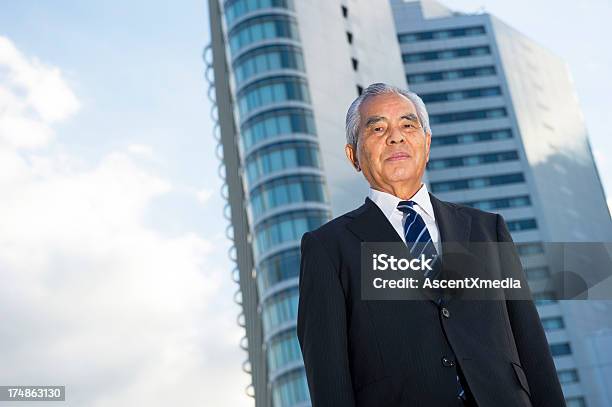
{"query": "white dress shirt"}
{"type": "Point", "coordinates": [388, 205]}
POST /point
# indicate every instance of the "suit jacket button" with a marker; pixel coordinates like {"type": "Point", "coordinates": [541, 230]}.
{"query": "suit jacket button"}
{"type": "Point", "coordinates": [448, 362]}
{"type": "Point", "coordinates": [445, 313]}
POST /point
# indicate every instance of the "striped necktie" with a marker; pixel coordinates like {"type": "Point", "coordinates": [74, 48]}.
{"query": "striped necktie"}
{"type": "Point", "coordinates": [419, 242]}
{"type": "Point", "coordinates": [417, 236]}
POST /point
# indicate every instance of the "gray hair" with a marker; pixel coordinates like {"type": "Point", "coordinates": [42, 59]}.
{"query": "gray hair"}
{"type": "Point", "coordinates": [353, 117]}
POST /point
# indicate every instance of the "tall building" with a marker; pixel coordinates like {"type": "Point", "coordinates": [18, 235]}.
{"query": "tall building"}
{"type": "Point", "coordinates": [508, 137]}
{"type": "Point", "coordinates": [284, 73]}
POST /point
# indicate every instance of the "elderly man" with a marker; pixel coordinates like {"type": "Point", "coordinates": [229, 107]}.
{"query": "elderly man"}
{"type": "Point", "coordinates": [411, 353]}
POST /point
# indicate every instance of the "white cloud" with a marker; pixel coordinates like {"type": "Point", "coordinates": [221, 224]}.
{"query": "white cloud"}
{"type": "Point", "coordinates": [141, 150]}
{"type": "Point", "coordinates": [43, 88]}
{"type": "Point", "coordinates": [91, 297]}
{"type": "Point", "coordinates": [204, 195]}
{"type": "Point", "coordinates": [32, 97]}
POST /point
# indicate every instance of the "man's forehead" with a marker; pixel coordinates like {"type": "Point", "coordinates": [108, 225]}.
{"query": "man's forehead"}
{"type": "Point", "coordinates": [382, 105]}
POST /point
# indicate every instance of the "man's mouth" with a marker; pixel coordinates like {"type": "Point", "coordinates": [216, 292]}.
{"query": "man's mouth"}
{"type": "Point", "coordinates": [400, 155]}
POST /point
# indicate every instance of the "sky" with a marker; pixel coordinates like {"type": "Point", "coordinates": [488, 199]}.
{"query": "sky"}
{"type": "Point", "coordinates": [115, 278]}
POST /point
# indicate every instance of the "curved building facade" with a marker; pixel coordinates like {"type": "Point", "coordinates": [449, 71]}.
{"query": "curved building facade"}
{"type": "Point", "coordinates": [283, 98]}
{"type": "Point", "coordinates": [283, 171]}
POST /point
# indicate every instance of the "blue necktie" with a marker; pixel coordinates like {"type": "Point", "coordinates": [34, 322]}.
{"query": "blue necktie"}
{"type": "Point", "coordinates": [419, 242]}
{"type": "Point", "coordinates": [417, 236]}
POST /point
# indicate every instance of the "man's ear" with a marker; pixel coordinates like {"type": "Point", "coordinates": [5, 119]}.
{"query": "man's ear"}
{"type": "Point", "coordinates": [351, 154]}
{"type": "Point", "coordinates": [427, 146]}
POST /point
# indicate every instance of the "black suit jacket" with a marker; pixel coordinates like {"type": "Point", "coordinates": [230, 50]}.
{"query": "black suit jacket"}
{"type": "Point", "coordinates": [388, 353]}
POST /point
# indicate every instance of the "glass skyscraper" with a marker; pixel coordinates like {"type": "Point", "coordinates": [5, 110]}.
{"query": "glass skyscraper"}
{"type": "Point", "coordinates": [283, 185]}
{"type": "Point", "coordinates": [282, 74]}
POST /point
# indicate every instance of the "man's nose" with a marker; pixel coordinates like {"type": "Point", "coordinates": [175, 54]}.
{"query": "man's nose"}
{"type": "Point", "coordinates": [396, 136]}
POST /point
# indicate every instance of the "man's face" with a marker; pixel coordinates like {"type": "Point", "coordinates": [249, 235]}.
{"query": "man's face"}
{"type": "Point", "coordinates": [392, 147]}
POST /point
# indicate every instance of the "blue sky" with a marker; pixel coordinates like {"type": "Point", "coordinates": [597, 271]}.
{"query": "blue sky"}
{"type": "Point", "coordinates": [112, 230]}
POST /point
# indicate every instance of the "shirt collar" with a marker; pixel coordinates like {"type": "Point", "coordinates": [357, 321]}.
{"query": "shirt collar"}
{"type": "Point", "coordinates": [388, 202]}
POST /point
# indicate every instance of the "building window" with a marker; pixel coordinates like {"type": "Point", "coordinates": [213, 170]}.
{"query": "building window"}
{"type": "Point", "coordinates": [440, 34]}
{"type": "Point", "coordinates": [461, 94]}
{"type": "Point", "coordinates": [285, 191]}
{"type": "Point", "coordinates": [553, 323]}
{"type": "Point", "coordinates": [344, 11]}
{"type": "Point", "coordinates": [290, 389]}
{"type": "Point", "coordinates": [568, 376]}
{"type": "Point", "coordinates": [537, 273]}
{"type": "Point", "coordinates": [349, 37]}
{"type": "Point", "coordinates": [267, 58]}
{"type": "Point", "coordinates": [287, 227]}
{"type": "Point", "coordinates": [470, 160]}
{"type": "Point", "coordinates": [467, 138]}
{"type": "Point", "coordinates": [355, 64]}
{"type": "Point", "coordinates": [477, 182]}
{"type": "Point", "coordinates": [493, 113]}
{"type": "Point", "coordinates": [281, 156]}
{"type": "Point", "coordinates": [575, 402]}
{"type": "Point", "coordinates": [521, 225]}
{"type": "Point", "coordinates": [446, 54]}
{"type": "Point", "coordinates": [280, 308]}
{"type": "Point", "coordinates": [237, 8]}
{"type": "Point", "coordinates": [450, 74]}
{"type": "Point", "coordinates": [262, 28]}
{"type": "Point", "coordinates": [529, 249]}
{"type": "Point", "coordinates": [359, 90]}
{"type": "Point", "coordinates": [272, 90]}
{"type": "Point", "coordinates": [282, 350]}
{"type": "Point", "coordinates": [560, 349]}
{"type": "Point", "coordinates": [276, 123]}
{"type": "Point", "coordinates": [544, 298]}
{"type": "Point", "coordinates": [277, 268]}
{"type": "Point", "coordinates": [500, 203]}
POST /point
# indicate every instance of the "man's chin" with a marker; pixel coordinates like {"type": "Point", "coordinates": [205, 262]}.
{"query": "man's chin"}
{"type": "Point", "coordinates": [401, 176]}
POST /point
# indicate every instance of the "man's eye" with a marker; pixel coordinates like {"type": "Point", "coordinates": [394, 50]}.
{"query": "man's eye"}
{"type": "Point", "coordinates": [378, 129]}
{"type": "Point", "coordinates": [409, 126]}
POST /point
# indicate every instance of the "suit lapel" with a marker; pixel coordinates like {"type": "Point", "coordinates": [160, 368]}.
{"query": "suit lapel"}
{"type": "Point", "coordinates": [370, 224]}
{"type": "Point", "coordinates": [453, 224]}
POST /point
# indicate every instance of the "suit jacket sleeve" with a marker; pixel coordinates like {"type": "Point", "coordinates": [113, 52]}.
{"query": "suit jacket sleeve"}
{"type": "Point", "coordinates": [529, 336]}
{"type": "Point", "coordinates": [322, 327]}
